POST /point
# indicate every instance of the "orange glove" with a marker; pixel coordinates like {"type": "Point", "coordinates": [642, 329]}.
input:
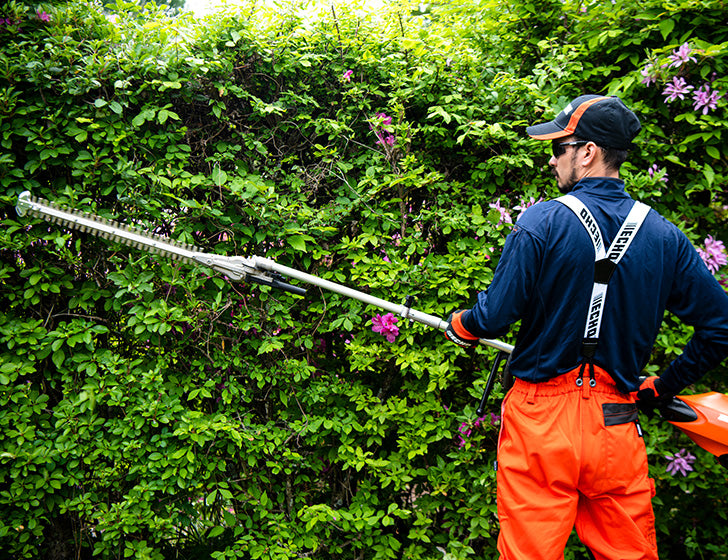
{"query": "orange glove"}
{"type": "Point", "coordinates": [651, 394]}
{"type": "Point", "coordinates": [459, 334]}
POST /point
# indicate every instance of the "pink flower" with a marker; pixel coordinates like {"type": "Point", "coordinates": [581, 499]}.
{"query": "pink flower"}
{"type": "Point", "coordinates": [714, 255]}
{"type": "Point", "coordinates": [678, 88]}
{"type": "Point", "coordinates": [524, 205]}
{"type": "Point", "coordinates": [648, 75]}
{"type": "Point", "coordinates": [386, 120]}
{"type": "Point", "coordinates": [465, 429]}
{"type": "Point", "coordinates": [681, 55]}
{"type": "Point", "coordinates": [43, 16]}
{"type": "Point", "coordinates": [384, 137]}
{"type": "Point", "coordinates": [385, 325]}
{"type": "Point", "coordinates": [654, 170]}
{"type": "Point", "coordinates": [723, 281]}
{"type": "Point", "coordinates": [347, 75]}
{"type": "Point", "coordinates": [706, 99]}
{"type": "Point", "coordinates": [505, 217]}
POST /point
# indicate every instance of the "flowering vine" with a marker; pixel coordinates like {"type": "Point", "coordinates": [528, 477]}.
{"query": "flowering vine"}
{"type": "Point", "coordinates": [704, 98]}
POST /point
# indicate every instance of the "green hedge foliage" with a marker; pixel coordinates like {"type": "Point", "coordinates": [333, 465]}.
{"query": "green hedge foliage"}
{"type": "Point", "coordinates": [155, 410]}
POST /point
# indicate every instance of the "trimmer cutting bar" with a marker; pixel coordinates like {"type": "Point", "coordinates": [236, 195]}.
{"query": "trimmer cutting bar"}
{"type": "Point", "coordinates": [108, 229]}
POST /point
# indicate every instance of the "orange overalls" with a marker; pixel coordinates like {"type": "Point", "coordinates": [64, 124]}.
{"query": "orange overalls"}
{"type": "Point", "coordinates": [571, 451]}
{"type": "Point", "coordinates": [561, 464]}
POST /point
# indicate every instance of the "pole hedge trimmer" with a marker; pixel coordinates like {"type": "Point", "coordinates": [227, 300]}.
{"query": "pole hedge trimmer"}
{"type": "Point", "coordinates": [704, 417]}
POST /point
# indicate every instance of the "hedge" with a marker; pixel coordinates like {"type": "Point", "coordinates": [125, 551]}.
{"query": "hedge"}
{"type": "Point", "coordinates": [151, 409]}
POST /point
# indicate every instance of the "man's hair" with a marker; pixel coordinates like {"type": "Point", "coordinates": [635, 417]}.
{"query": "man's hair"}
{"type": "Point", "coordinates": [613, 157]}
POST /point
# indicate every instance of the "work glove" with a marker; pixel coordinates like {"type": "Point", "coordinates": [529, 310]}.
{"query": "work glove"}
{"type": "Point", "coordinates": [457, 333]}
{"type": "Point", "coordinates": [652, 395]}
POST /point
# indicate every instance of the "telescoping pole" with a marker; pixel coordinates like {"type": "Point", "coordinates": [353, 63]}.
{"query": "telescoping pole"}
{"type": "Point", "coordinates": [263, 263]}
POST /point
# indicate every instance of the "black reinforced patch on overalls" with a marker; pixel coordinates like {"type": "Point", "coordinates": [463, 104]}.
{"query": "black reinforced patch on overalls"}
{"type": "Point", "coordinates": [619, 413]}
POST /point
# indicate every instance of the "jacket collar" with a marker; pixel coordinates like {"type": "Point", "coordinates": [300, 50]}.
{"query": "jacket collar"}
{"type": "Point", "coordinates": [601, 186]}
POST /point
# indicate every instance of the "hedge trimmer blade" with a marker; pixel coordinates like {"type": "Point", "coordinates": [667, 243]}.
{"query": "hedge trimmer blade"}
{"type": "Point", "coordinates": [108, 229]}
{"type": "Point", "coordinates": [236, 268]}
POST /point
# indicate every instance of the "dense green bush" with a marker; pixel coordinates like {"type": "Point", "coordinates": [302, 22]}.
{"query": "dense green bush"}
{"type": "Point", "coordinates": [154, 410]}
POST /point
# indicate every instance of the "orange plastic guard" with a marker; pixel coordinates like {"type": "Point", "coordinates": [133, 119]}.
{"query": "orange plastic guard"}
{"type": "Point", "coordinates": [710, 430]}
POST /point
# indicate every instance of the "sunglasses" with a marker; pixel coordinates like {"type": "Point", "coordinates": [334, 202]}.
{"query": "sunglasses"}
{"type": "Point", "coordinates": [559, 148]}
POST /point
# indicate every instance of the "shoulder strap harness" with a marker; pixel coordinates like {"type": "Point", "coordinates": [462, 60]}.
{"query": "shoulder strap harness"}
{"type": "Point", "coordinates": [605, 262]}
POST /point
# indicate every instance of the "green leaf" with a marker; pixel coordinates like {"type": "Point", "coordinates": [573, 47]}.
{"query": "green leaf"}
{"type": "Point", "coordinates": [219, 176]}
{"type": "Point", "coordinates": [215, 532]}
{"type": "Point", "coordinates": [666, 26]}
{"type": "Point", "coordinates": [210, 499]}
{"type": "Point", "coordinates": [298, 242]}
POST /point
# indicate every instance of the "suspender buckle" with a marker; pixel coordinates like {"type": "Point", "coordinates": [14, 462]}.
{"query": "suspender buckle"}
{"type": "Point", "coordinates": [589, 347]}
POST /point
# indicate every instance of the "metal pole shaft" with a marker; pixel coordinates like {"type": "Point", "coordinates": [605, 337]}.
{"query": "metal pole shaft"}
{"type": "Point", "coordinates": [402, 310]}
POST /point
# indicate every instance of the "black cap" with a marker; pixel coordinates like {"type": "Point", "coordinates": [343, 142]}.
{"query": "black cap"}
{"type": "Point", "coordinates": [606, 121]}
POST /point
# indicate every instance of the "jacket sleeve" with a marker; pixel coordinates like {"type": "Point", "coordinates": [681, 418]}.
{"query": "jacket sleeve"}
{"type": "Point", "coordinates": [503, 302]}
{"type": "Point", "coordinates": [701, 302]}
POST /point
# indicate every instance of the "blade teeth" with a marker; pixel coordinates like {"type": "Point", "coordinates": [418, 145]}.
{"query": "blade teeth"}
{"type": "Point", "coordinates": [39, 210]}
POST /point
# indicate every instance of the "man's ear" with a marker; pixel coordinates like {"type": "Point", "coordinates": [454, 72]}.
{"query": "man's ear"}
{"type": "Point", "coordinates": [592, 154]}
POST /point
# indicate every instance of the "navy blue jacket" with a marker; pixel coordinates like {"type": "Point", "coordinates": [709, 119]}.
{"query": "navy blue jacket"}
{"type": "Point", "coordinates": [545, 276]}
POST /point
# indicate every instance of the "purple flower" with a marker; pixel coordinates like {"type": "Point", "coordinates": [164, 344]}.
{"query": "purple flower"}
{"type": "Point", "coordinates": [385, 325]}
{"type": "Point", "coordinates": [678, 88]}
{"type": "Point", "coordinates": [464, 432]}
{"type": "Point", "coordinates": [681, 462]}
{"type": "Point", "coordinates": [505, 217]}
{"type": "Point", "coordinates": [681, 56]}
{"type": "Point", "coordinates": [714, 255]}
{"type": "Point", "coordinates": [347, 75]}
{"type": "Point", "coordinates": [465, 429]}
{"type": "Point", "coordinates": [648, 75]}
{"type": "Point", "coordinates": [706, 99]}
{"type": "Point", "coordinates": [43, 16]}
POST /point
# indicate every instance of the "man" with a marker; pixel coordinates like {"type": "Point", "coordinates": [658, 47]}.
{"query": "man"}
{"type": "Point", "coordinates": [570, 451]}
